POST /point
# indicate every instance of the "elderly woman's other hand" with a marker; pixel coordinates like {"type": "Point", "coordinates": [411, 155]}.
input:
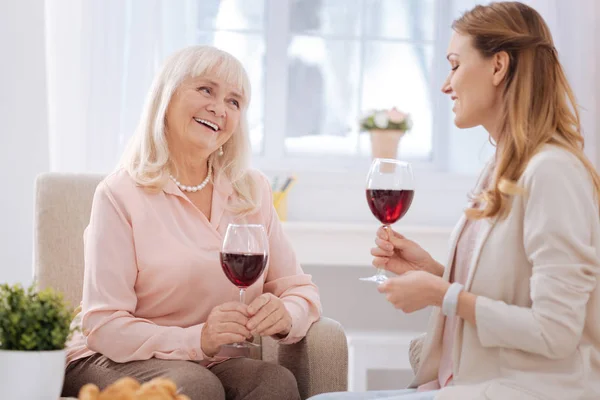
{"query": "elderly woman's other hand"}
{"type": "Point", "coordinates": [268, 316]}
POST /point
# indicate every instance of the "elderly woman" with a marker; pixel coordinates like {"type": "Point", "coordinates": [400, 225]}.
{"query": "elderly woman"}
{"type": "Point", "coordinates": [155, 299]}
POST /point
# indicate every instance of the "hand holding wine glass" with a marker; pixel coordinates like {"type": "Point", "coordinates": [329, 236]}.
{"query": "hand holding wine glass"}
{"type": "Point", "coordinates": [243, 259]}
{"type": "Point", "coordinates": [268, 316]}
{"type": "Point", "coordinates": [225, 324]}
{"type": "Point", "coordinates": [397, 254]}
{"type": "Point", "coordinates": [390, 191]}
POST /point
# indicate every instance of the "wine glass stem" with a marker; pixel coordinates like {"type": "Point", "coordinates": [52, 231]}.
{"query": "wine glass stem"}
{"type": "Point", "coordinates": [243, 296]}
{"type": "Point", "coordinates": [387, 227]}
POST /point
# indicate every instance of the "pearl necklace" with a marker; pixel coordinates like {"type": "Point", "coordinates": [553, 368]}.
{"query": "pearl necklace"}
{"type": "Point", "coordinates": [193, 188]}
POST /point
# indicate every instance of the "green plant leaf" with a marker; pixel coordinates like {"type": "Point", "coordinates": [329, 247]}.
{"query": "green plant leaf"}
{"type": "Point", "coordinates": [33, 320]}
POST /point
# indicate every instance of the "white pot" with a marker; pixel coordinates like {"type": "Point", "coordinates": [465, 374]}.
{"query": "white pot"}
{"type": "Point", "coordinates": [31, 375]}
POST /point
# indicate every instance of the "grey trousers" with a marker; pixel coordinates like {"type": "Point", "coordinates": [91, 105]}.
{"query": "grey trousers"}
{"type": "Point", "coordinates": [234, 379]}
{"type": "Point", "coordinates": [407, 394]}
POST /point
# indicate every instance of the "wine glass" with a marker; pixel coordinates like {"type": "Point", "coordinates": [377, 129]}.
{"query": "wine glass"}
{"type": "Point", "coordinates": [390, 191]}
{"type": "Point", "coordinates": [244, 255]}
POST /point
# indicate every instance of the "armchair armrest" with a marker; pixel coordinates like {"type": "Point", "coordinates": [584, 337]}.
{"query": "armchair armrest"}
{"type": "Point", "coordinates": [414, 352]}
{"type": "Point", "coordinates": [319, 361]}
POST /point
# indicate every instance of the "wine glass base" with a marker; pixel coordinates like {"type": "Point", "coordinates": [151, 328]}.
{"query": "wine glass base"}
{"type": "Point", "coordinates": [375, 279]}
{"type": "Point", "coordinates": [244, 345]}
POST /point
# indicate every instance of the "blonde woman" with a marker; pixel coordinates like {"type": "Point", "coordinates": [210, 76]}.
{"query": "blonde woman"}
{"type": "Point", "coordinates": [155, 299]}
{"type": "Point", "coordinates": [517, 309]}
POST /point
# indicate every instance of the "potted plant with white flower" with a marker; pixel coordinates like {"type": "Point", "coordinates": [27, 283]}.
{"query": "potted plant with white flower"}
{"type": "Point", "coordinates": [34, 329]}
{"type": "Point", "coordinates": [386, 128]}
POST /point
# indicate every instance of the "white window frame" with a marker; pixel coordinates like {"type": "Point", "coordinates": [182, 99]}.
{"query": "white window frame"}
{"type": "Point", "coordinates": [273, 155]}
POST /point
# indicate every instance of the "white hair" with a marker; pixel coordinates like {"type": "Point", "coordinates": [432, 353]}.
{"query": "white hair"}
{"type": "Point", "coordinates": [147, 158]}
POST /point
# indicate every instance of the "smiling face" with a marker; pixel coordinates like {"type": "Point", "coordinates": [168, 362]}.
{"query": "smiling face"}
{"type": "Point", "coordinates": [203, 114]}
{"type": "Point", "coordinates": [472, 84]}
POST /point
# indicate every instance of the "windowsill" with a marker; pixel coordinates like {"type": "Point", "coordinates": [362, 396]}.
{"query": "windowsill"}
{"type": "Point", "coordinates": [334, 244]}
{"type": "Point", "coordinates": [353, 172]}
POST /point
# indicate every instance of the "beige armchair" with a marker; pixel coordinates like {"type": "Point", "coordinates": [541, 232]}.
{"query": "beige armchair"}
{"type": "Point", "coordinates": [62, 210]}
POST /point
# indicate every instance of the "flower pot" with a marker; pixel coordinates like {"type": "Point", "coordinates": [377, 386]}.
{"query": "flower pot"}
{"type": "Point", "coordinates": [29, 375]}
{"type": "Point", "coordinates": [384, 143]}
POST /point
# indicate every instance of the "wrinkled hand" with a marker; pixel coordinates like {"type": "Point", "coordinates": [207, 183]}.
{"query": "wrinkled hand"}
{"type": "Point", "coordinates": [414, 290]}
{"type": "Point", "coordinates": [225, 324]}
{"type": "Point", "coordinates": [268, 316]}
{"type": "Point", "coordinates": [397, 254]}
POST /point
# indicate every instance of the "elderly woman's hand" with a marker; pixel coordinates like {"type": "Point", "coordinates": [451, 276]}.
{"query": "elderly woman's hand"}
{"type": "Point", "coordinates": [225, 324]}
{"type": "Point", "coordinates": [268, 316]}
{"type": "Point", "coordinates": [414, 290]}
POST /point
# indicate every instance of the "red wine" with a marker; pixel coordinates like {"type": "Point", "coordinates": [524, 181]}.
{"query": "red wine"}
{"type": "Point", "coordinates": [388, 206]}
{"type": "Point", "coordinates": [243, 269]}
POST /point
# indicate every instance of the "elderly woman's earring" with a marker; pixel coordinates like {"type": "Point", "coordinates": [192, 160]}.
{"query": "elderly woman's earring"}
{"type": "Point", "coordinates": [221, 151]}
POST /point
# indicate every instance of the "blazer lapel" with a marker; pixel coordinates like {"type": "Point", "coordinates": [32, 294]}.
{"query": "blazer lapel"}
{"type": "Point", "coordinates": [485, 228]}
{"type": "Point", "coordinates": [484, 232]}
{"type": "Point", "coordinates": [456, 232]}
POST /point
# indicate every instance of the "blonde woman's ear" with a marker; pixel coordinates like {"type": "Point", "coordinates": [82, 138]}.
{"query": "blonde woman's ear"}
{"type": "Point", "coordinates": [501, 64]}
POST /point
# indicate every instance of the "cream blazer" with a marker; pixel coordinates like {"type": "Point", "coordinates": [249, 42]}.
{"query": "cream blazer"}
{"type": "Point", "coordinates": [538, 310]}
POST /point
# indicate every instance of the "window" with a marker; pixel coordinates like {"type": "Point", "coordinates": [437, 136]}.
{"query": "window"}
{"type": "Point", "coordinates": [239, 27]}
{"type": "Point", "coordinates": [317, 65]}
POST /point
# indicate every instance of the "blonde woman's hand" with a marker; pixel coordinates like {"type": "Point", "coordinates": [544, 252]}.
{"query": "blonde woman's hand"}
{"type": "Point", "coordinates": [397, 254]}
{"type": "Point", "coordinates": [414, 290]}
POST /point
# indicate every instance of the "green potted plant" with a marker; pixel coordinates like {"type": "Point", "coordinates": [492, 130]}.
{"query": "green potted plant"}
{"type": "Point", "coordinates": [34, 329]}
{"type": "Point", "coordinates": [386, 128]}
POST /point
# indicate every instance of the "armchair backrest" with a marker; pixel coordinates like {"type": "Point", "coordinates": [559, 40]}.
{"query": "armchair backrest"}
{"type": "Point", "coordinates": [62, 212]}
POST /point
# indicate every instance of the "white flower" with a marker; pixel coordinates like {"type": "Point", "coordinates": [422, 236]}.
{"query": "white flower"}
{"type": "Point", "coordinates": [366, 114]}
{"type": "Point", "coordinates": [381, 120]}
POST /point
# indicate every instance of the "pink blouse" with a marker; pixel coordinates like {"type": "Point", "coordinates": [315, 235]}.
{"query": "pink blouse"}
{"type": "Point", "coordinates": [152, 272]}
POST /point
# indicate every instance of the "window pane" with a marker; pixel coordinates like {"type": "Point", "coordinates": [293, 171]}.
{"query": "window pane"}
{"type": "Point", "coordinates": [397, 74]}
{"type": "Point", "coordinates": [231, 14]}
{"type": "Point", "coordinates": [401, 19]}
{"type": "Point", "coordinates": [329, 17]}
{"type": "Point", "coordinates": [250, 50]}
{"type": "Point", "coordinates": [322, 96]}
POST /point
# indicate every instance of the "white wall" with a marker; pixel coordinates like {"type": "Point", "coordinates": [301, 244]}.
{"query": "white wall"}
{"type": "Point", "coordinates": [23, 137]}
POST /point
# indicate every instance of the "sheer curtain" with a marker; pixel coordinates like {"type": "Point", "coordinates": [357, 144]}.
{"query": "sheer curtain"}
{"type": "Point", "coordinates": [101, 57]}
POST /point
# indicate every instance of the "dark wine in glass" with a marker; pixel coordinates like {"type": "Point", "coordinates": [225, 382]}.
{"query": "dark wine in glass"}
{"type": "Point", "coordinates": [390, 192]}
{"type": "Point", "coordinates": [388, 206]}
{"type": "Point", "coordinates": [243, 269]}
{"type": "Point", "coordinates": [244, 256]}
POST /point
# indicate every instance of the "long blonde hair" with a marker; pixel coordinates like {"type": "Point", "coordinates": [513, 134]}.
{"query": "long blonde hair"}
{"type": "Point", "coordinates": [539, 106]}
{"type": "Point", "coordinates": [147, 158]}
